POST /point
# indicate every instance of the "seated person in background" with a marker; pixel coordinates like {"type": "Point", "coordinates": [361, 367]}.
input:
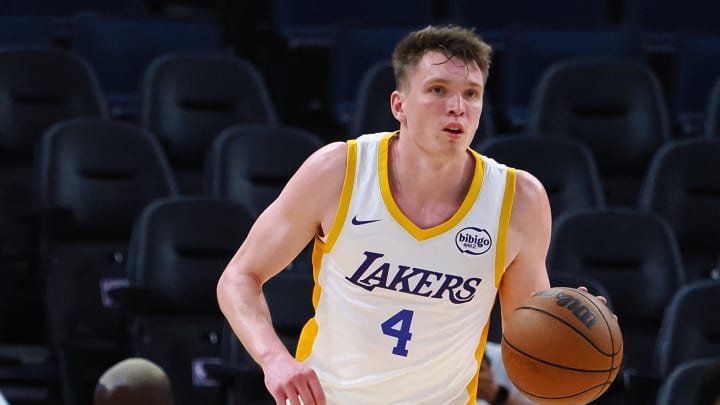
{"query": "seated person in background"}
{"type": "Point", "coordinates": [133, 381]}
{"type": "Point", "coordinates": [494, 386]}
{"type": "Point", "coordinates": [708, 392]}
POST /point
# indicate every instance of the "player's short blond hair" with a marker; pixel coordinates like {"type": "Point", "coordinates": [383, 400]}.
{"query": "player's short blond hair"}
{"type": "Point", "coordinates": [451, 40]}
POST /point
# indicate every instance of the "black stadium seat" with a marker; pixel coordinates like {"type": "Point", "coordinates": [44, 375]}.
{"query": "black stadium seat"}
{"type": "Point", "coordinates": [93, 178]}
{"type": "Point", "coordinates": [189, 98]}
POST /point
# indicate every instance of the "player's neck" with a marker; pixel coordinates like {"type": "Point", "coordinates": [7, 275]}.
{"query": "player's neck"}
{"type": "Point", "coordinates": [428, 192]}
{"type": "Point", "coordinates": [422, 174]}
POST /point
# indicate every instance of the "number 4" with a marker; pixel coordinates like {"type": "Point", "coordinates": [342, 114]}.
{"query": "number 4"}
{"type": "Point", "coordinates": [402, 319]}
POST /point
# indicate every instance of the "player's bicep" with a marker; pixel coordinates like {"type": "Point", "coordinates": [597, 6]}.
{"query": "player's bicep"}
{"type": "Point", "coordinates": [274, 241]}
{"type": "Point", "coordinates": [290, 222]}
{"type": "Point", "coordinates": [530, 225]}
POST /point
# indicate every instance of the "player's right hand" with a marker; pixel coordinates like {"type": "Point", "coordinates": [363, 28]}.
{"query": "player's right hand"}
{"type": "Point", "coordinates": [293, 383]}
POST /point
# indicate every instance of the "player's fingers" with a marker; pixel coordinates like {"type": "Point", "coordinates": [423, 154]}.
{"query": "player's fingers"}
{"type": "Point", "coordinates": [279, 397]}
{"type": "Point", "coordinates": [316, 390]}
{"type": "Point", "coordinates": [604, 301]}
{"type": "Point", "coordinates": [305, 395]}
{"type": "Point", "coordinates": [286, 396]}
{"type": "Point", "coordinates": [292, 399]}
{"type": "Point", "coordinates": [583, 288]}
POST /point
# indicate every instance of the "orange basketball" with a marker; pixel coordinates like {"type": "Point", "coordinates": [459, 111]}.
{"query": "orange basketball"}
{"type": "Point", "coordinates": [562, 346]}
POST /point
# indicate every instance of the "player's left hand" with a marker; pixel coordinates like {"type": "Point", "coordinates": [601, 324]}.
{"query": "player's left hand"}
{"type": "Point", "coordinates": [600, 297]}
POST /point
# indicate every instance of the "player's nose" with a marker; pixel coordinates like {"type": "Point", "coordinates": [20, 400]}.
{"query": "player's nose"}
{"type": "Point", "coordinates": [456, 104]}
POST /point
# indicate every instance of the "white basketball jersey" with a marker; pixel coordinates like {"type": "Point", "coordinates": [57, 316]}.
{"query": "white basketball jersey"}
{"type": "Point", "coordinates": [401, 312]}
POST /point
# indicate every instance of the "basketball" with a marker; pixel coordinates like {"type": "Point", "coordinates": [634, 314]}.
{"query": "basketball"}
{"type": "Point", "coordinates": [562, 346]}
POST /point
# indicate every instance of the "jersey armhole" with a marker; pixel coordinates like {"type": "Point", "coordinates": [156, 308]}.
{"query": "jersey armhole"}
{"type": "Point", "coordinates": [345, 194]}
{"type": "Point", "coordinates": [504, 225]}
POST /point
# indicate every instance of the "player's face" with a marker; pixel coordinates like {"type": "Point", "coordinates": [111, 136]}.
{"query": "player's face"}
{"type": "Point", "coordinates": [441, 101]}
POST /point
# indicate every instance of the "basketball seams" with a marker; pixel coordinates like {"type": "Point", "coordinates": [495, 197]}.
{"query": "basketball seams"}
{"type": "Point", "coordinates": [569, 325]}
{"type": "Point", "coordinates": [607, 323]}
{"type": "Point", "coordinates": [595, 387]}
{"type": "Point", "coordinates": [539, 360]}
{"type": "Point", "coordinates": [610, 376]}
{"type": "Point", "coordinates": [590, 374]}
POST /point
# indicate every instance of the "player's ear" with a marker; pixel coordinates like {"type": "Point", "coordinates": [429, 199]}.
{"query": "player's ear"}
{"type": "Point", "coordinates": [397, 105]}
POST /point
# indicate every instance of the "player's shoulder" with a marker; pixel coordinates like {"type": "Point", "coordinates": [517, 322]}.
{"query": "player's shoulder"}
{"type": "Point", "coordinates": [318, 182]}
{"type": "Point", "coordinates": [328, 159]}
{"type": "Point", "coordinates": [528, 186]}
{"type": "Point", "coordinates": [531, 198]}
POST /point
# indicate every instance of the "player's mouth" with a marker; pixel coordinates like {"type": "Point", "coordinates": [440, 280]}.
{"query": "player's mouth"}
{"type": "Point", "coordinates": [455, 130]}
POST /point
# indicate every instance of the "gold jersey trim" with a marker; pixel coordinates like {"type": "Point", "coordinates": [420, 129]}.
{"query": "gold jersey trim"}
{"type": "Point", "coordinates": [504, 225]}
{"type": "Point", "coordinates": [417, 232]}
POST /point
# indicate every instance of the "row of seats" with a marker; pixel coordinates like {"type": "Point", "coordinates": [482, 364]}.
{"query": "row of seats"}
{"type": "Point", "coordinates": [689, 379]}
{"type": "Point", "coordinates": [110, 218]}
{"type": "Point", "coordinates": [295, 18]}
{"type": "Point", "coordinates": [621, 121]}
{"type": "Point", "coordinates": [619, 115]}
{"type": "Point", "coordinates": [519, 61]}
{"type": "Point", "coordinates": [519, 65]}
{"type": "Point", "coordinates": [187, 101]}
{"type": "Point", "coordinates": [119, 49]}
{"type": "Point", "coordinates": [357, 37]}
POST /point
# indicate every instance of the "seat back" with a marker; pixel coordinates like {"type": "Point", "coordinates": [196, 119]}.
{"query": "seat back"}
{"type": "Point", "coordinates": [697, 67]}
{"type": "Point", "coordinates": [371, 111]}
{"type": "Point", "coordinates": [712, 112]}
{"type": "Point", "coordinates": [684, 382]}
{"type": "Point", "coordinates": [251, 164]}
{"type": "Point", "coordinates": [92, 179]}
{"type": "Point", "coordinates": [241, 377]}
{"type": "Point", "coordinates": [102, 173]}
{"type": "Point", "coordinates": [135, 43]}
{"type": "Point", "coordinates": [356, 50]}
{"type": "Point", "coordinates": [619, 115]}
{"type": "Point", "coordinates": [27, 30]}
{"type": "Point", "coordinates": [316, 22]}
{"type": "Point", "coordinates": [571, 182]}
{"type": "Point", "coordinates": [682, 186]}
{"type": "Point", "coordinates": [178, 250]}
{"type": "Point", "coordinates": [635, 256]}
{"type": "Point", "coordinates": [188, 99]}
{"type": "Point", "coordinates": [41, 86]}
{"type": "Point", "coordinates": [662, 20]}
{"type": "Point", "coordinates": [74, 7]}
{"type": "Point", "coordinates": [527, 54]}
{"type": "Point", "coordinates": [690, 328]}
{"type": "Point", "coordinates": [38, 87]}
{"type": "Point", "coordinates": [499, 16]}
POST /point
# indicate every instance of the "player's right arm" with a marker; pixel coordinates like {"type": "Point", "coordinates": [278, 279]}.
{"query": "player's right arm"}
{"type": "Point", "coordinates": [304, 208]}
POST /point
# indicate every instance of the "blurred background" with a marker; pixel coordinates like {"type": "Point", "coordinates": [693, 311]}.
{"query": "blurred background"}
{"type": "Point", "coordinates": [139, 139]}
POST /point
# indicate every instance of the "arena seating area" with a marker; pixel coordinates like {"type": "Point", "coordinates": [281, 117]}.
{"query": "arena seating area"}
{"type": "Point", "coordinates": [135, 136]}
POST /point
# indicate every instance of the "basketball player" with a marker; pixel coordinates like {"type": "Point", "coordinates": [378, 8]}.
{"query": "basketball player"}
{"type": "Point", "coordinates": [414, 233]}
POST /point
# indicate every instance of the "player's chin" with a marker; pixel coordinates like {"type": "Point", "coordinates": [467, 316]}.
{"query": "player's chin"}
{"type": "Point", "coordinates": [455, 136]}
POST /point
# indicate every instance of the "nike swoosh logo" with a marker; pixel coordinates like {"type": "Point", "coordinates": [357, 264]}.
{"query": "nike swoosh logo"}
{"type": "Point", "coordinates": [356, 221]}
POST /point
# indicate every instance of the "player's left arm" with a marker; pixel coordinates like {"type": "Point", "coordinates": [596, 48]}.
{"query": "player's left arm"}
{"type": "Point", "coordinates": [528, 243]}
